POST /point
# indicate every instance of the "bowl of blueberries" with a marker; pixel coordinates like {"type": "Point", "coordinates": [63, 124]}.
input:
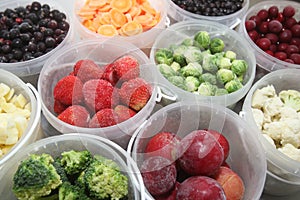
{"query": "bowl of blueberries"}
{"type": "Point", "coordinates": [30, 32]}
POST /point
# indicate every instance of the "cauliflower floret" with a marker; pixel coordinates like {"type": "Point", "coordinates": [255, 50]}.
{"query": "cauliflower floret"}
{"type": "Point", "coordinates": [288, 113]}
{"type": "Point", "coordinates": [258, 116]}
{"type": "Point", "coordinates": [293, 135]}
{"type": "Point", "coordinates": [275, 129]}
{"type": "Point", "coordinates": [291, 98]}
{"type": "Point", "coordinates": [261, 95]}
{"type": "Point", "coordinates": [269, 139]}
{"type": "Point", "coordinates": [291, 151]}
{"type": "Point", "coordinates": [272, 108]}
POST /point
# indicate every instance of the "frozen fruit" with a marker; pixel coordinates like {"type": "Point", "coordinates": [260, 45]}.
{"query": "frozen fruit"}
{"type": "Point", "coordinates": [104, 118]}
{"type": "Point", "coordinates": [59, 107]}
{"type": "Point", "coordinates": [222, 140]}
{"type": "Point", "coordinates": [75, 115]}
{"type": "Point", "coordinates": [171, 195]}
{"type": "Point", "coordinates": [200, 187]}
{"type": "Point", "coordinates": [135, 93]}
{"type": "Point", "coordinates": [123, 113]}
{"type": "Point", "coordinates": [98, 94]}
{"type": "Point", "coordinates": [87, 69]}
{"type": "Point", "coordinates": [159, 175]}
{"type": "Point", "coordinates": [126, 68]}
{"type": "Point", "coordinates": [109, 74]}
{"type": "Point", "coordinates": [231, 183]}
{"type": "Point", "coordinates": [200, 153]}
{"type": "Point", "coordinates": [68, 90]}
{"type": "Point", "coordinates": [163, 144]}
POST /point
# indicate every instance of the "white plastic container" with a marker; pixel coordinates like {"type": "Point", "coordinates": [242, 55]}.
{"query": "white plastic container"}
{"type": "Point", "coordinates": [33, 130]}
{"type": "Point", "coordinates": [102, 52]}
{"type": "Point", "coordinates": [232, 20]}
{"type": "Point", "coordinates": [29, 70]}
{"type": "Point", "coordinates": [176, 33]}
{"type": "Point", "coordinates": [263, 59]}
{"type": "Point", "coordinates": [57, 144]}
{"type": "Point", "coordinates": [283, 175]}
{"type": "Point", "coordinates": [142, 40]}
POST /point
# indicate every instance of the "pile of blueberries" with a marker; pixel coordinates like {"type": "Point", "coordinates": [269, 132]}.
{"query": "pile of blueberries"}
{"type": "Point", "coordinates": [30, 32]}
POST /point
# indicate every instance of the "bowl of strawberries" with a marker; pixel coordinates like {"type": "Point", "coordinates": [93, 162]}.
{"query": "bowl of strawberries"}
{"type": "Point", "coordinates": [190, 150]}
{"type": "Point", "coordinates": [104, 88]}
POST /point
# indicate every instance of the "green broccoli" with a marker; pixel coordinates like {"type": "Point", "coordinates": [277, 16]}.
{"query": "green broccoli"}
{"type": "Point", "coordinates": [164, 56]}
{"type": "Point", "coordinates": [291, 98]}
{"type": "Point", "coordinates": [60, 170]}
{"type": "Point", "coordinates": [67, 191]}
{"type": "Point", "coordinates": [75, 161]}
{"type": "Point", "coordinates": [104, 179]}
{"type": "Point", "coordinates": [35, 177]}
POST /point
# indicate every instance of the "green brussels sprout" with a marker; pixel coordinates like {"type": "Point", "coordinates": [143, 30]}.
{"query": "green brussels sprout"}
{"type": "Point", "coordinates": [164, 56]}
{"type": "Point", "coordinates": [225, 63]}
{"type": "Point", "coordinates": [231, 55]}
{"type": "Point", "coordinates": [225, 75]}
{"type": "Point", "coordinates": [166, 70]}
{"type": "Point", "coordinates": [172, 47]}
{"type": "Point", "coordinates": [216, 45]}
{"type": "Point", "coordinates": [210, 63]}
{"type": "Point", "coordinates": [239, 67]}
{"type": "Point", "coordinates": [233, 85]}
{"type": "Point", "coordinates": [188, 42]}
{"type": "Point", "coordinates": [220, 92]}
{"type": "Point", "coordinates": [207, 89]}
{"type": "Point", "coordinates": [192, 83]}
{"type": "Point", "coordinates": [208, 77]}
{"type": "Point", "coordinates": [178, 81]}
{"type": "Point", "coordinates": [241, 78]}
{"type": "Point", "coordinates": [192, 69]}
{"type": "Point", "coordinates": [180, 49]}
{"type": "Point", "coordinates": [180, 59]}
{"type": "Point", "coordinates": [193, 54]}
{"type": "Point", "coordinates": [175, 66]}
{"type": "Point", "coordinates": [202, 39]}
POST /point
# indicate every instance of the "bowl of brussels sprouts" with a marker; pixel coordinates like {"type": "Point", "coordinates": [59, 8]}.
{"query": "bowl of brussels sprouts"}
{"type": "Point", "coordinates": [203, 61]}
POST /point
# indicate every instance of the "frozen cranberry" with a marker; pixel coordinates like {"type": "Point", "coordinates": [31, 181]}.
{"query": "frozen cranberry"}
{"type": "Point", "coordinates": [296, 30]}
{"type": "Point", "coordinates": [263, 27]}
{"type": "Point", "coordinates": [295, 41]}
{"type": "Point", "coordinates": [282, 46]}
{"type": "Point", "coordinates": [253, 35]}
{"type": "Point", "coordinates": [280, 17]}
{"type": "Point", "coordinates": [271, 53]}
{"type": "Point", "coordinates": [263, 43]}
{"type": "Point", "coordinates": [296, 58]}
{"type": "Point", "coordinates": [273, 48]}
{"type": "Point", "coordinates": [289, 61]}
{"type": "Point", "coordinates": [280, 55]}
{"type": "Point", "coordinates": [263, 14]}
{"type": "Point", "coordinates": [289, 11]}
{"type": "Point", "coordinates": [285, 36]}
{"type": "Point", "coordinates": [272, 37]}
{"type": "Point", "coordinates": [250, 25]}
{"type": "Point", "coordinates": [256, 19]}
{"type": "Point", "coordinates": [222, 140]}
{"type": "Point", "coordinates": [274, 26]}
{"type": "Point", "coordinates": [273, 11]}
{"type": "Point", "coordinates": [292, 49]}
{"type": "Point", "coordinates": [290, 22]}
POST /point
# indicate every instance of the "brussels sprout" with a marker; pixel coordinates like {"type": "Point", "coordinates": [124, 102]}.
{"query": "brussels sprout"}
{"type": "Point", "coordinates": [208, 77]}
{"type": "Point", "coordinates": [179, 50]}
{"type": "Point", "coordinates": [202, 39]}
{"type": "Point", "coordinates": [180, 59]}
{"type": "Point", "coordinates": [192, 69]}
{"type": "Point", "coordinates": [210, 63]}
{"type": "Point", "coordinates": [233, 85]}
{"type": "Point", "coordinates": [164, 56]}
{"type": "Point", "coordinates": [178, 81]}
{"type": "Point", "coordinates": [225, 75]}
{"type": "Point", "coordinates": [225, 63]}
{"type": "Point", "coordinates": [241, 78]}
{"type": "Point", "coordinates": [172, 47]}
{"type": "Point", "coordinates": [175, 66]}
{"type": "Point", "coordinates": [220, 92]}
{"type": "Point", "coordinates": [231, 55]}
{"type": "Point", "coordinates": [192, 83]}
{"type": "Point", "coordinates": [166, 70]}
{"type": "Point", "coordinates": [216, 45]}
{"type": "Point", "coordinates": [207, 89]}
{"type": "Point", "coordinates": [239, 67]}
{"type": "Point", "coordinates": [193, 54]}
{"type": "Point", "coordinates": [188, 42]}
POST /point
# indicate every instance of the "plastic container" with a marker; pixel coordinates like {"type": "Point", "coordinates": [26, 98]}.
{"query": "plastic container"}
{"type": "Point", "coordinates": [33, 130]}
{"type": "Point", "coordinates": [142, 40]}
{"type": "Point", "coordinates": [283, 175]}
{"type": "Point", "coordinates": [263, 59]}
{"type": "Point", "coordinates": [176, 33]}
{"type": "Point", "coordinates": [232, 20]}
{"type": "Point", "coordinates": [102, 52]}
{"type": "Point", "coordinates": [29, 70]}
{"type": "Point", "coordinates": [57, 144]}
{"type": "Point", "coordinates": [246, 155]}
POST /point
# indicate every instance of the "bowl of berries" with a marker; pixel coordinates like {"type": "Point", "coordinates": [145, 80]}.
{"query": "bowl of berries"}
{"type": "Point", "coordinates": [273, 31]}
{"type": "Point", "coordinates": [30, 32]}
{"type": "Point", "coordinates": [190, 150]}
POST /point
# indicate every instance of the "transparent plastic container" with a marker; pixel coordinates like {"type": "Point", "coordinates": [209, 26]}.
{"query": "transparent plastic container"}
{"type": "Point", "coordinates": [176, 33]}
{"type": "Point", "coordinates": [232, 20]}
{"type": "Point", "coordinates": [246, 155]}
{"type": "Point", "coordinates": [142, 40]}
{"type": "Point", "coordinates": [283, 174]}
{"type": "Point", "coordinates": [33, 130]}
{"type": "Point", "coordinates": [102, 52]}
{"type": "Point", "coordinates": [263, 59]}
{"type": "Point", "coordinates": [78, 141]}
{"type": "Point", "coordinates": [29, 70]}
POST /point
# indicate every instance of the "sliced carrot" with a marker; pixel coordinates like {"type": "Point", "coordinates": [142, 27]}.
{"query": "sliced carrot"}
{"type": "Point", "coordinates": [140, 1]}
{"type": "Point", "coordinates": [128, 17]}
{"type": "Point", "coordinates": [96, 22]}
{"type": "Point", "coordinates": [107, 30]}
{"type": "Point", "coordinates": [122, 5]}
{"type": "Point", "coordinates": [97, 3]}
{"type": "Point", "coordinates": [87, 23]}
{"type": "Point", "coordinates": [148, 8]}
{"type": "Point", "coordinates": [143, 19]}
{"type": "Point", "coordinates": [135, 11]}
{"type": "Point", "coordinates": [105, 8]}
{"type": "Point", "coordinates": [105, 18]}
{"type": "Point", "coordinates": [133, 3]}
{"type": "Point", "coordinates": [132, 28]}
{"type": "Point", "coordinates": [118, 19]}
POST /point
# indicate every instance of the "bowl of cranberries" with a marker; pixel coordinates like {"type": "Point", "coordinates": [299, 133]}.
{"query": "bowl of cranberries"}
{"type": "Point", "coordinates": [273, 31]}
{"type": "Point", "coordinates": [30, 32]}
{"type": "Point", "coordinates": [189, 150]}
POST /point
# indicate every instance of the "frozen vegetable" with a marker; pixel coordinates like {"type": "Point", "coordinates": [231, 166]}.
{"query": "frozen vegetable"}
{"type": "Point", "coordinates": [75, 161]}
{"type": "Point", "coordinates": [178, 81]}
{"type": "Point", "coordinates": [239, 67]}
{"type": "Point", "coordinates": [202, 39]}
{"type": "Point", "coordinates": [206, 89]}
{"type": "Point", "coordinates": [216, 45]}
{"type": "Point", "coordinates": [233, 85]}
{"type": "Point", "coordinates": [192, 69]}
{"type": "Point", "coordinates": [210, 63]}
{"type": "Point", "coordinates": [166, 70]}
{"type": "Point", "coordinates": [193, 54]}
{"type": "Point", "coordinates": [225, 75]}
{"type": "Point", "coordinates": [208, 77]}
{"type": "Point", "coordinates": [291, 98]}
{"type": "Point", "coordinates": [192, 83]}
{"type": "Point", "coordinates": [164, 56]}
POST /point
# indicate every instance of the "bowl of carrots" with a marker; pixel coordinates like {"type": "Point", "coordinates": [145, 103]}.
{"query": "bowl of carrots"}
{"type": "Point", "coordinates": [135, 21]}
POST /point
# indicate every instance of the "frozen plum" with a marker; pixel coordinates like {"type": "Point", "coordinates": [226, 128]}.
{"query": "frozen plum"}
{"type": "Point", "coordinates": [171, 195]}
{"type": "Point", "coordinates": [222, 140]}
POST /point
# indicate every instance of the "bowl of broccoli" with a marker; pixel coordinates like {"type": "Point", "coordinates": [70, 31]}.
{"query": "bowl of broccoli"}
{"type": "Point", "coordinates": [73, 166]}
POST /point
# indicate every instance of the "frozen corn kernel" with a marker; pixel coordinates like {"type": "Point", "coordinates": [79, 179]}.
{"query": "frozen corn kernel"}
{"type": "Point", "coordinates": [4, 89]}
{"type": "Point", "coordinates": [20, 101]}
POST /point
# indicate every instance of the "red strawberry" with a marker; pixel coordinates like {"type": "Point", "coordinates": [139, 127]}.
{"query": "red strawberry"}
{"type": "Point", "coordinates": [109, 74]}
{"type": "Point", "coordinates": [135, 93]}
{"type": "Point", "coordinates": [75, 115]}
{"type": "Point", "coordinates": [98, 94]}
{"type": "Point", "coordinates": [124, 113]}
{"type": "Point", "coordinates": [68, 90]}
{"type": "Point", "coordinates": [103, 118]}
{"type": "Point", "coordinates": [86, 70]}
{"type": "Point", "coordinates": [59, 107]}
{"type": "Point", "coordinates": [126, 68]}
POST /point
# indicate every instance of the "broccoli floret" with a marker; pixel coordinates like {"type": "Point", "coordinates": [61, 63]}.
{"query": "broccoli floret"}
{"type": "Point", "coordinates": [60, 170]}
{"type": "Point", "coordinates": [35, 177]}
{"type": "Point", "coordinates": [67, 191]}
{"type": "Point", "coordinates": [291, 98]}
{"type": "Point", "coordinates": [75, 161]}
{"type": "Point", "coordinates": [104, 179]}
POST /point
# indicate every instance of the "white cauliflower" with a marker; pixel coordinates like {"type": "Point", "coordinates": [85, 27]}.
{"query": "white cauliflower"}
{"type": "Point", "coordinates": [271, 108]}
{"type": "Point", "coordinates": [291, 151]}
{"type": "Point", "coordinates": [275, 129]}
{"type": "Point", "coordinates": [288, 113]}
{"type": "Point", "coordinates": [258, 116]}
{"type": "Point", "coordinates": [261, 95]}
{"type": "Point", "coordinates": [291, 135]}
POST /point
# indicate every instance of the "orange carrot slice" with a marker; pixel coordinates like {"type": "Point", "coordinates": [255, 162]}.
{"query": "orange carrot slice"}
{"type": "Point", "coordinates": [105, 8]}
{"type": "Point", "coordinates": [107, 30]}
{"type": "Point", "coordinates": [148, 8]}
{"type": "Point", "coordinates": [122, 5]}
{"type": "Point", "coordinates": [140, 1]}
{"type": "Point", "coordinates": [105, 18]}
{"type": "Point", "coordinates": [143, 19]}
{"type": "Point", "coordinates": [97, 3]}
{"type": "Point", "coordinates": [118, 19]}
{"type": "Point", "coordinates": [135, 11]}
{"type": "Point", "coordinates": [132, 28]}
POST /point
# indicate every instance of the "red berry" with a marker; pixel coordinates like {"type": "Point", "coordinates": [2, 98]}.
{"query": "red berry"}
{"type": "Point", "coordinates": [126, 68]}
{"type": "Point", "coordinates": [263, 43]}
{"type": "Point", "coordinates": [59, 107]}
{"type": "Point", "coordinates": [290, 22]}
{"type": "Point", "coordinates": [109, 74]}
{"type": "Point", "coordinates": [263, 14]}
{"type": "Point", "coordinates": [273, 48]}
{"type": "Point", "coordinates": [291, 49]}
{"type": "Point", "coordinates": [280, 55]}
{"type": "Point", "coordinates": [86, 70]}
{"type": "Point", "coordinates": [289, 11]}
{"type": "Point", "coordinates": [253, 35]}
{"type": "Point", "coordinates": [256, 19]}
{"type": "Point", "coordinates": [263, 27]}
{"type": "Point", "coordinates": [274, 26]}
{"type": "Point", "coordinates": [285, 36]}
{"type": "Point", "coordinates": [282, 46]}
{"type": "Point", "coordinates": [272, 37]}
{"type": "Point", "coordinates": [296, 30]}
{"type": "Point", "coordinates": [124, 113]}
{"type": "Point", "coordinates": [289, 61]}
{"type": "Point", "coordinates": [273, 11]}
{"type": "Point", "coordinates": [271, 53]}
{"type": "Point", "coordinates": [296, 58]}
{"type": "Point", "coordinates": [250, 25]}
{"type": "Point", "coordinates": [75, 115]}
{"type": "Point", "coordinates": [104, 118]}
{"type": "Point", "coordinates": [295, 41]}
{"type": "Point", "coordinates": [280, 17]}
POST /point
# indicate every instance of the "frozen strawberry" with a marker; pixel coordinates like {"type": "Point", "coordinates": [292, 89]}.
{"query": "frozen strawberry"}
{"type": "Point", "coordinates": [109, 74]}
{"type": "Point", "coordinates": [171, 195]}
{"type": "Point", "coordinates": [98, 94]}
{"type": "Point", "coordinates": [75, 115]}
{"type": "Point", "coordinates": [103, 118]}
{"type": "Point", "coordinates": [87, 69]}
{"type": "Point", "coordinates": [59, 107]}
{"type": "Point", "coordinates": [159, 175]}
{"type": "Point", "coordinates": [123, 113]}
{"type": "Point", "coordinates": [222, 140]}
{"type": "Point", "coordinates": [135, 93]}
{"type": "Point", "coordinates": [126, 68]}
{"type": "Point", "coordinates": [68, 90]}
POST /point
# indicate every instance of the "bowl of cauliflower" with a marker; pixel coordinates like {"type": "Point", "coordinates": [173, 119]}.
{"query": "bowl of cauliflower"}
{"type": "Point", "coordinates": [272, 106]}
